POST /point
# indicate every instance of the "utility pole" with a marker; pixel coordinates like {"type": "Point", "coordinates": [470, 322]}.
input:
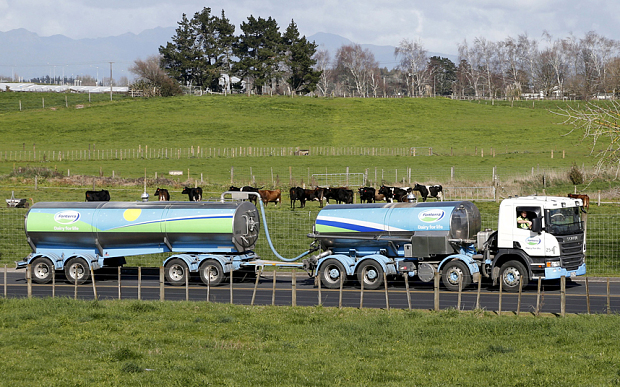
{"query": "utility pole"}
{"type": "Point", "coordinates": [111, 81]}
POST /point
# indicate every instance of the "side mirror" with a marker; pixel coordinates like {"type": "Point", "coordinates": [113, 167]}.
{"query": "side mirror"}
{"type": "Point", "coordinates": [537, 225]}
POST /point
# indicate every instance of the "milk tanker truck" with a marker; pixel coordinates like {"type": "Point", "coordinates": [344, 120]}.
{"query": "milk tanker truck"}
{"type": "Point", "coordinates": [365, 240]}
{"type": "Point", "coordinates": [421, 239]}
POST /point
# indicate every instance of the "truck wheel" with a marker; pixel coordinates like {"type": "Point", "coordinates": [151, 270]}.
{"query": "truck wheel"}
{"type": "Point", "coordinates": [511, 273]}
{"type": "Point", "coordinates": [42, 270]}
{"type": "Point", "coordinates": [211, 272]}
{"type": "Point", "coordinates": [77, 269]}
{"type": "Point", "coordinates": [454, 271]}
{"type": "Point", "coordinates": [175, 272]}
{"type": "Point", "coordinates": [332, 272]}
{"type": "Point", "coordinates": [373, 276]}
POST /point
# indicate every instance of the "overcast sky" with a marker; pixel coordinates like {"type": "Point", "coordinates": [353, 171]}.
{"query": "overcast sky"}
{"type": "Point", "coordinates": [440, 25]}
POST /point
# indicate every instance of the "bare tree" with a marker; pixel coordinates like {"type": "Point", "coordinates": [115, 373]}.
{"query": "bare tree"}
{"type": "Point", "coordinates": [414, 64]}
{"type": "Point", "coordinates": [151, 74]}
{"type": "Point", "coordinates": [354, 65]}
{"type": "Point", "coordinates": [471, 63]}
{"type": "Point", "coordinates": [598, 122]}
{"type": "Point", "coordinates": [323, 64]}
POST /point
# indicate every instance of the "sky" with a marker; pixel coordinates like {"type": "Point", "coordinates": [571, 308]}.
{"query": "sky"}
{"type": "Point", "coordinates": [439, 25]}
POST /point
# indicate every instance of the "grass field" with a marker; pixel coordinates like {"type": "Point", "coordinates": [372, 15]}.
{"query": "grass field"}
{"type": "Point", "coordinates": [61, 342]}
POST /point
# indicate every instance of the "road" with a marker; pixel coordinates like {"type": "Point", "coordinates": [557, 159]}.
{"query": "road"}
{"type": "Point", "coordinates": [306, 294]}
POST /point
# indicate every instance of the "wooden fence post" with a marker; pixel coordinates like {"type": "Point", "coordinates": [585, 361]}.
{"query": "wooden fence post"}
{"type": "Point", "coordinates": [538, 297]}
{"type": "Point", "coordinates": [478, 293]}
{"type": "Point", "coordinates": [29, 279]}
{"type": "Point", "coordinates": [407, 290]}
{"type": "Point", "coordinates": [587, 295]}
{"type": "Point", "coordinates": [273, 289]}
{"type": "Point", "coordinates": [499, 311]}
{"type": "Point", "coordinates": [293, 288]}
{"type": "Point", "coordinates": [119, 282]}
{"type": "Point", "coordinates": [232, 271]}
{"type": "Point", "coordinates": [387, 298]}
{"type": "Point", "coordinates": [256, 284]}
{"type": "Point", "coordinates": [162, 295]}
{"type": "Point", "coordinates": [92, 279]}
{"type": "Point", "coordinates": [139, 283]}
{"type": "Point", "coordinates": [563, 296]}
{"type": "Point", "coordinates": [436, 291]}
{"type": "Point", "coordinates": [362, 288]}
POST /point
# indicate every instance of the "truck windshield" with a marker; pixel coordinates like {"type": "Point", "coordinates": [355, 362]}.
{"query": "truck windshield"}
{"type": "Point", "coordinates": [564, 221]}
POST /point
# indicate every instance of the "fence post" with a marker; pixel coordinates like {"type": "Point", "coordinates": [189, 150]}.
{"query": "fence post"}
{"type": "Point", "coordinates": [563, 296]}
{"type": "Point", "coordinates": [187, 284]}
{"type": "Point", "coordinates": [92, 279]}
{"type": "Point", "coordinates": [119, 282]}
{"type": "Point", "coordinates": [273, 289]}
{"type": "Point", "coordinates": [538, 297]}
{"type": "Point", "coordinates": [499, 311]}
{"type": "Point", "coordinates": [319, 285]}
{"type": "Point", "coordinates": [407, 290]}
{"type": "Point", "coordinates": [209, 285]}
{"type": "Point", "coordinates": [139, 283]}
{"type": "Point", "coordinates": [340, 293]}
{"type": "Point", "coordinates": [5, 271]}
{"type": "Point", "coordinates": [362, 288]}
{"type": "Point", "coordinates": [53, 281]}
{"type": "Point", "coordinates": [519, 297]}
{"type": "Point", "coordinates": [75, 282]}
{"type": "Point", "coordinates": [293, 288]}
{"type": "Point", "coordinates": [232, 270]}
{"type": "Point", "coordinates": [436, 290]}
{"type": "Point", "coordinates": [478, 293]}
{"type": "Point", "coordinates": [29, 279]}
{"type": "Point", "coordinates": [162, 295]}
{"type": "Point", "coordinates": [387, 298]}
{"type": "Point", "coordinates": [608, 298]}
{"type": "Point", "coordinates": [256, 284]}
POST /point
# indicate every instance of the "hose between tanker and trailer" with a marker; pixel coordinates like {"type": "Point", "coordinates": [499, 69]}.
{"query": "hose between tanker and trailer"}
{"type": "Point", "coordinates": [273, 249]}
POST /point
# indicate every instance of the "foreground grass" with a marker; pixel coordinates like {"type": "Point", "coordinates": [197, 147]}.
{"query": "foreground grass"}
{"type": "Point", "coordinates": [61, 342]}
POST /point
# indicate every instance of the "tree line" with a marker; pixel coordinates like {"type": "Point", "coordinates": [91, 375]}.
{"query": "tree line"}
{"type": "Point", "coordinates": [206, 53]}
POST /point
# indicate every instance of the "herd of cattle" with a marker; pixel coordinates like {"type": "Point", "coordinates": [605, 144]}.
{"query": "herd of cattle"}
{"type": "Point", "coordinates": [338, 194]}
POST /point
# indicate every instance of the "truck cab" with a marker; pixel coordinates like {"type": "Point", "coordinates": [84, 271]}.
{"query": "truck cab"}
{"type": "Point", "coordinates": [550, 247]}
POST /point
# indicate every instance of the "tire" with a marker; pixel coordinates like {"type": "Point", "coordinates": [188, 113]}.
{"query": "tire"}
{"type": "Point", "coordinates": [42, 270]}
{"type": "Point", "coordinates": [217, 274]}
{"type": "Point", "coordinates": [175, 272]}
{"type": "Point", "coordinates": [373, 278]}
{"type": "Point", "coordinates": [510, 274]}
{"type": "Point", "coordinates": [77, 267]}
{"type": "Point", "coordinates": [452, 272]}
{"type": "Point", "coordinates": [331, 273]}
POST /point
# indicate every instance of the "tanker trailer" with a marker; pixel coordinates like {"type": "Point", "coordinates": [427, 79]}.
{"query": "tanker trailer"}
{"type": "Point", "coordinates": [209, 237]}
{"type": "Point", "coordinates": [370, 240]}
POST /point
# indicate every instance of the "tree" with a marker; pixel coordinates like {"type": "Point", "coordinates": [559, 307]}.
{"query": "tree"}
{"type": "Point", "coordinates": [600, 123]}
{"type": "Point", "coordinates": [413, 63]}
{"type": "Point", "coordinates": [322, 64]}
{"type": "Point", "coordinates": [181, 58]}
{"type": "Point", "coordinates": [354, 66]}
{"type": "Point", "coordinates": [258, 49]}
{"type": "Point", "coordinates": [152, 76]}
{"type": "Point", "coordinates": [299, 60]}
{"type": "Point", "coordinates": [443, 74]}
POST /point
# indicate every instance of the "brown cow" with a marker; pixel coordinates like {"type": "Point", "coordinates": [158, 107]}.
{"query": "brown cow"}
{"type": "Point", "coordinates": [584, 198]}
{"type": "Point", "coordinates": [162, 194]}
{"type": "Point", "coordinates": [268, 196]}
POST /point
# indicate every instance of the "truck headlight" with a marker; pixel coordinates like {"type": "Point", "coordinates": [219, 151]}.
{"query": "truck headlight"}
{"type": "Point", "coordinates": [553, 264]}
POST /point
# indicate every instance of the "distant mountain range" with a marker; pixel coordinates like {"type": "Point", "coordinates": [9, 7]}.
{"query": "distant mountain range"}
{"type": "Point", "coordinates": [28, 55]}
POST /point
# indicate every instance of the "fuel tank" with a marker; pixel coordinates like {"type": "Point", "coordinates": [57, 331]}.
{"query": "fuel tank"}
{"type": "Point", "coordinates": [431, 228]}
{"type": "Point", "coordinates": [131, 228]}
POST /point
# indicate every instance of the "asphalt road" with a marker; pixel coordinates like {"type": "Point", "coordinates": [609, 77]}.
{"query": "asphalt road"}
{"type": "Point", "coordinates": [306, 293]}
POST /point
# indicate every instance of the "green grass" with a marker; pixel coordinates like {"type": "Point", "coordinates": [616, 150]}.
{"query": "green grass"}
{"type": "Point", "coordinates": [61, 342]}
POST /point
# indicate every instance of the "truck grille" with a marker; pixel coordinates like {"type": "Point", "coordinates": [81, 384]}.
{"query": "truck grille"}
{"type": "Point", "coordinates": [571, 251]}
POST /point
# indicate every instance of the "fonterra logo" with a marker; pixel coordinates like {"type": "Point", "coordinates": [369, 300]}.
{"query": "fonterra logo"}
{"type": "Point", "coordinates": [67, 217]}
{"type": "Point", "coordinates": [431, 216]}
{"type": "Point", "coordinates": [533, 241]}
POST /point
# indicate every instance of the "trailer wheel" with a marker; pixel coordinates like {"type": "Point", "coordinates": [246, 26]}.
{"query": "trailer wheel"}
{"type": "Point", "coordinates": [511, 273]}
{"type": "Point", "coordinates": [211, 272]}
{"type": "Point", "coordinates": [77, 270]}
{"type": "Point", "coordinates": [372, 276]}
{"type": "Point", "coordinates": [332, 272]}
{"type": "Point", "coordinates": [454, 271]}
{"type": "Point", "coordinates": [42, 270]}
{"type": "Point", "coordinates": [175, 272]}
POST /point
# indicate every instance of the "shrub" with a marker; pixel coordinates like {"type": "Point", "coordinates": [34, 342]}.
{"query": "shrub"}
{"type": "Point", "coordinates": [575, 175]}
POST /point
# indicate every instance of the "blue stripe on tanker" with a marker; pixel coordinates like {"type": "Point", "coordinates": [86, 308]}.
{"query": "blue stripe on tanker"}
{"type": "Point", "coordinates": [347, 226]}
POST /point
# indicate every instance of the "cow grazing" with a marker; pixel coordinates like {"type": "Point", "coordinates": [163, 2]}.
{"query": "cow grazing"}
{"type": "Point", "coordinates": [342, 195]}
{"type": "Point", "coordinates": [98, 196]}
{"type": "Point", "coordinates": [434, 191]}
{"type": "Point", "coordinates": [392, 194]}
{"type": "Point", "coordinates": [367, 194]}
{"type": "Point", "coordinates": [584, 198]}
{"type": "Point", "coordinates": [162, 194]}
{"type": "Point", "coordinates": [268, 196]}
{"type": "Point", "coordinates": [297, 193]}
{"type": "Point", "coordinates": [194, 194]}
{"type": "Point", "coordinates": [315, 194]}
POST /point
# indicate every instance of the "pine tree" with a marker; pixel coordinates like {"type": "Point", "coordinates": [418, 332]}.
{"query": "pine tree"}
{"type": "Point", "coordinates": [299, 60]}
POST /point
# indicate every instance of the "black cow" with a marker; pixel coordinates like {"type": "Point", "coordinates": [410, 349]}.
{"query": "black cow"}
{"type": "Point", "coordinates": [194, 194]}
{"type": "Point", "coordinates": [162, 194]}
{"type": "Point", "coordinates": [98, 196]}
{"type": "Point", "coordinates": [297, 193]}
{"type": "Point", "coordinates": [342, 195]}
{"type": "Point", "coordinates": [392, 194]}
{"type": "Point", "coordinates": [434, 191]}
{"type": "Point", "coordinates": [367, 194]}
{"type": "Point", "coordinates": [315, 194]}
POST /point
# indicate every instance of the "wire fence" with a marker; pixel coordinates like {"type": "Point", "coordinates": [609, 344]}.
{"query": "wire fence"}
{"type": "Point", "coordinates": [289, 229]}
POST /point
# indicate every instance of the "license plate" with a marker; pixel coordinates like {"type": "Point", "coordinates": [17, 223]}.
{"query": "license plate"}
{"type": "Point", "coordinates": [573, 275]}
